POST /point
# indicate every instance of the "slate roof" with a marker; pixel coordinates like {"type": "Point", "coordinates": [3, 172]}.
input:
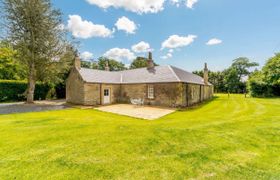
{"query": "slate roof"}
{"type": "Point", "coordinates": [159, 74]}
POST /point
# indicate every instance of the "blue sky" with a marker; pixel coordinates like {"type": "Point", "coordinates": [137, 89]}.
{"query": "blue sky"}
{"type": "Point", "coordinates": [177, 32]}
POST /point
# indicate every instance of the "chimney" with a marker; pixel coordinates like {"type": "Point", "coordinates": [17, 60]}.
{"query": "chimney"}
{"type": "Point", "coordinates": [107, 68]}
{"type": "Point", "coordinates": [205, 74]}
{"type": "Point", "coordinates": [77, 63]}
{"type": "Point", "coordinates": [150, 61]}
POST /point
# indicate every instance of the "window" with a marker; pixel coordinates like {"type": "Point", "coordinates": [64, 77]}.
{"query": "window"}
{"type": "Point", "coordinates": [106, 92]}
{"type": "Point", "coordinates": [150, 92]}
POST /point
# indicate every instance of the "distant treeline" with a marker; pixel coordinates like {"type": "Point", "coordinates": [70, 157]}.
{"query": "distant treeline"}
{"type": "Point", "coordinates": [238, 79]}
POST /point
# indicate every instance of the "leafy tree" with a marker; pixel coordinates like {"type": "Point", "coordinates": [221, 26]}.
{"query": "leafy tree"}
{"type": "Point", "coordinates": [86, 64]}
{"type": "Point", "coordinates": [34, 28]}
{"type": "Point", "coordinates": [9, 67]}
{"type": "Point", "coordinates": [242, 65]}
{"type": "Point", "coordinates": [257, 86]}
{"type": "Point", "coordinates": [140, 62]}
{"type": "Point", "coordinates": [94, 65]}
{"type": "Point", "coordinates": [235, 75]}
{"type": "Point", "coordinates": [271, 70]}
{"type": "Point", "coordinates": [266, 82]}
{"type": "Point", "coordinates": [199, 73]}
{"type": "Point", "coordinates": [113, 64]}
{"type": "Point", "coordinates": [232, 80]}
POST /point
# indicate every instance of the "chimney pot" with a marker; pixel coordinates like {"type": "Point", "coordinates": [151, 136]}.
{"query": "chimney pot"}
{"type": "Point", "coordinates": [150, 56]}
{"type": "Point", "coordinates": [107, 68]}
{"type": "Point", "coordinates": [150, 61]}
{"type": "Point", "coordinates": [205, 76]}
{"type": "Point", "coordinates": [77, 62]}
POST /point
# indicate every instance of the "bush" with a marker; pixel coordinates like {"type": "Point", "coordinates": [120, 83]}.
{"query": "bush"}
{"type": "Point", "coordinates": [11, 90]}
{"type": "Point", "coordinates": [258, 87]}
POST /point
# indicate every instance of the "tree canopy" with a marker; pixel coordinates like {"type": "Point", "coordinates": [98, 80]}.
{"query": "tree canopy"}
{"type": "Point", "coordinates": [271, 70]}
{"type": "Point", "coordinates": [140, 62]}
{"type": "Point", "coordinates": [113, 64]}
{"type": "Point", "coordinates": [34, 28]}
{"type": "Point", "coordinates": [241, 66]}
{"type": "Point", "coordinates": [266, 82]}
{"type": "Point", "coordinates": [9, 67]}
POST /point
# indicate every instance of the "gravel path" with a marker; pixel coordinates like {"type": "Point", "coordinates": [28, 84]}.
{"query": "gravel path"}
{"type": "Point", "coordinates": [10, 108]}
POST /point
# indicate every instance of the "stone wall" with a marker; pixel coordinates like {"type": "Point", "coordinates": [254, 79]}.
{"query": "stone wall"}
{"type": "Point", "coordinates": [165, 94]}
{"type": "Point", "coordinates": [208, 92]}
{"type": "Point", "coordinates": [75, 88]}
{"type": "Point", "coordinates": [198, 93]}
{"type": "Point", "coordinates": [92, 94]}
{"type": "Point", "coordinates": [169, 94]}
{"type": "Point", "coordinates": [193, 94]}
{"type": "Point", "coordinates": [134, 91]}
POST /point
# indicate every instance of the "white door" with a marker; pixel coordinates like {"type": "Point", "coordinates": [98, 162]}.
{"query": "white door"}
{"type": "Point", "coordinates": [106, 96]}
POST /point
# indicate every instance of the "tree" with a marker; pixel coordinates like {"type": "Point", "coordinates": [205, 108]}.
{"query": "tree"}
{"type": "Point", "coordinates": [9, 67]}
{"type": "Point", "coordinates": [86, 64]}
{"type": "Point", "coordinates": [34, 28]}
{"type": "Point", "coordinates": [237, 73]}
{"type": "Point", "coordinates": [232, 81]}
{"type": "Point", "coordinates": [271, 70]}
{"type": "Point", "coordinates": [113, 64]}
{"type": "Point", "coordinates": [242, 65]}
{"type": "Point", "coordinates": [257, 86]}
{"type": "Point", "coordinates": [140, 62]}
{"type": "Point", "coordinates": [266, 82]}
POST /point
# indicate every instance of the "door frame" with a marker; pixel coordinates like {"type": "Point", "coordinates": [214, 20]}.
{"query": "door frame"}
{"type": "Point", "coordinates": [103, 95]}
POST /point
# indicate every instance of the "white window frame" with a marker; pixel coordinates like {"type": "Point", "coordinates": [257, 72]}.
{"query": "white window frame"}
{"type": "Point", "coordinates": [151, 92]}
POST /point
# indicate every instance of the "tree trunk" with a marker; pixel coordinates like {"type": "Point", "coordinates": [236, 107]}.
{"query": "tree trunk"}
{"type": "Point", "coordinates": [31, 85]}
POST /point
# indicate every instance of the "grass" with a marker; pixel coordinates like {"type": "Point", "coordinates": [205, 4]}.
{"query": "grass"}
{"type": "Point", "coordinates": [227, 138]}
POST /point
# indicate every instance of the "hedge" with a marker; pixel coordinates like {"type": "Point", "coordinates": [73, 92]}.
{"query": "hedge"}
{"type": "Point", "coordinates": [12, 90]}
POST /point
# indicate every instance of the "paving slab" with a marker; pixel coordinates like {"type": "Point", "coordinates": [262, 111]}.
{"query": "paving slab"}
{"type": "Point", "coordinates": [143, 112]}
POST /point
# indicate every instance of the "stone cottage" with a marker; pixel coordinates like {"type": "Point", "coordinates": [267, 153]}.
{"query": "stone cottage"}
{"type": "Point", "coordinates": [156, 85]}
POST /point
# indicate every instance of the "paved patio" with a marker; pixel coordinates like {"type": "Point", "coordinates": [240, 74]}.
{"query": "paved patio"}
{"type": "Point", "coordinates": [143, 112]}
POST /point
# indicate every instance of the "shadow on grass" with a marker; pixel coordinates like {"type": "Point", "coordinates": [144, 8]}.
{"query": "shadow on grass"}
{"type": "Point", "coordinates": [198, 105]}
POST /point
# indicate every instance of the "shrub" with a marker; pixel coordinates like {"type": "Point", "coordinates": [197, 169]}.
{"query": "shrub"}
{"type": "Point", "coordinates": [11, 90]}
{"type": "Point", "coordinates": [258, 87]}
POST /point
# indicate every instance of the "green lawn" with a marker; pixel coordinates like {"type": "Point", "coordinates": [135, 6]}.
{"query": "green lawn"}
{"type": "Point", "coordinates": [227, 138]}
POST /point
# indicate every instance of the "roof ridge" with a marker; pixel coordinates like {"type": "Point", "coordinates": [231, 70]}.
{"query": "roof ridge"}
{"type": "Point", "coordinates": [171, 68]}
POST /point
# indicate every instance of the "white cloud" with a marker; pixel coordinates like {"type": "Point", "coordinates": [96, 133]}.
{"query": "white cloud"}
{"type": "Point", "coordinates": [141, 47]}
{"type": "Point", "coordinates": [176, 41]}
{"type": "Point", "coordinates": [175, 2]}
{"type": "Point", "coordinates": [86, 56]}
{"type": "Point", "coordinates": [190, 3]}
{"type": "Point", "coordinates": [167, 56]}
{"type": "Point", "coordinates": [120, 54]}
{"type": "Point", "coordinates": [137, 6]}
{"type": "Point", "coordinates": [86, 29]}
{"type": "Point", "coordinates": [126, 25]}
{"type": "Point", "coordinates": [214, 41]}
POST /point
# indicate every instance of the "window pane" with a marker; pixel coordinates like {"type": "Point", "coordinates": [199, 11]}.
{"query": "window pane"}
{"type": "Point", "coordinates": [150, 92]}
